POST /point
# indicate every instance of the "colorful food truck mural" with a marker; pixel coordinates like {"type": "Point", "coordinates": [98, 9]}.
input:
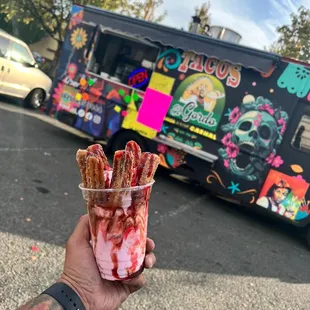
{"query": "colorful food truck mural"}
{"type": "Point", "coordinates": [235, 119]}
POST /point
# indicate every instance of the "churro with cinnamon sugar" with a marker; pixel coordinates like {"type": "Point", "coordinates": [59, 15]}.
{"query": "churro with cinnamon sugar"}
{"type": "Point", "coordinates": [97, 150]}
{"type": "Point", "coordinates": [135, 150]}
{"type": "Point", "coordinates": [94, 172]}
{"type": "Point", "coordinates": [147, 167]}
{"type": "Point", "coordinates": [81, 161]}
{"type": "Point", "coordinates": [122, 173]}
{"type": "Point", "coordinates": [122, 169]}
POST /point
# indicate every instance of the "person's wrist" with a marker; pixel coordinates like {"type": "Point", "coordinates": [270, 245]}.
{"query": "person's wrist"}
{"type": "Point", "coordinates": [78, 290]}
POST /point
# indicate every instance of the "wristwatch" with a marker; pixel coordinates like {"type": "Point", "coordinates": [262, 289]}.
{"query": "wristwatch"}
{"type": "Point", "coordinates": [66, 296]}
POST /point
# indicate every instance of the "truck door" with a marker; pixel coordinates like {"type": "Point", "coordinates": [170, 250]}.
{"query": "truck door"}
{"type": "Point", "coordinates": [295, 149]}
{"type": "Point", "coordinates": [295, 169]}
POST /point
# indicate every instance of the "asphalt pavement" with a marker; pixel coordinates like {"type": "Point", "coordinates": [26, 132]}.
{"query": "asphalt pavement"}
{"type": "Point", "coordinates": [211, 254]}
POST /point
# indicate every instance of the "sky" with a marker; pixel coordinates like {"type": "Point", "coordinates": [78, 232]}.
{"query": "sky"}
{"type": "Point", "coordinates": [254, 20]}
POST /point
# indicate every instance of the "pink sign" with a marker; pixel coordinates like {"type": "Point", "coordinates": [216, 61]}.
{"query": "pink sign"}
{"type": "Point", "coordinates": [154, 108]}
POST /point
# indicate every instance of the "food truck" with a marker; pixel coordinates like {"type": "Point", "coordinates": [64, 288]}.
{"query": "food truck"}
{"type": "Point", "coordinates": [235, 119]}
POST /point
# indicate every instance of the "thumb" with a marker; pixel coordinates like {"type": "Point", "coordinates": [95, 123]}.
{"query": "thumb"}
{"type": "Point", "coordinates": [81, 234]}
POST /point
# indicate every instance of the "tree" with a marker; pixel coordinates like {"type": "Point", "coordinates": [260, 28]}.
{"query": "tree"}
{"type": "Point", "coordinates": [29, 33]}
{"type": "Point", "coordinates": [294, 40]}
{"type": "Point", "coordinates": [145, 9]}
{"type": "Point", "coordinates": [51, 16]}
{"type": "Point", "coordinates": [203, 12]}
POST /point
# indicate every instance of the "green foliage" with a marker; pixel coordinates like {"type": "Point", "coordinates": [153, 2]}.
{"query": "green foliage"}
{"type": "Point", "coordinates": [29, 33]}
{"type": "Point", "coordinates": [111, 5]}
{"type": "Point", "coordinates": [52, 16]}
{"type": "Point", "coordinates": [144, 9]}
{"type": "Point", "coordinates": [203, 12]}
{"type": "Point", "coordinates": [294, 40]}
{"type": "Point", "coordinates": [49, 15]}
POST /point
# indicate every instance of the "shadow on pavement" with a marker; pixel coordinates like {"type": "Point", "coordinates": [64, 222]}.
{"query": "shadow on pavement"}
{"type": "Point", "coordinates": [194, 231]}
{"type": "Point", "coordinates": [13, 101]}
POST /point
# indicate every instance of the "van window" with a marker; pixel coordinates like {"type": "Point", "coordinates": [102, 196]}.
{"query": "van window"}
{"type": "Point", "coordinates": [124, 60]}
{"type": "Point", "coordinates": [301, 138]}
{"type": "Point", "coordinates": [20, 54]}
{"type": "Point", "coordinates": [4, 46]}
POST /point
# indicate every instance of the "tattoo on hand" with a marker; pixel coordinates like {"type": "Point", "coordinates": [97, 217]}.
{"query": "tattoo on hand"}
{"type": "Point", "coordinates": [42, 302]}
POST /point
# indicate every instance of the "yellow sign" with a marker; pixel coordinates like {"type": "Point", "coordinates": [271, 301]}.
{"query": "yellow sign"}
{"type": "Point", "coordinates": [203, 132]}
{"type": "Point", "coordinates": [161, 83]}
{"type": "Point", "coordinates": [130, 122]}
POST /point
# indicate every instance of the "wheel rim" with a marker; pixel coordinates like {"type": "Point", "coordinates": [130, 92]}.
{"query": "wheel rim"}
{"type": "Point", "coordinates": [37, 99]}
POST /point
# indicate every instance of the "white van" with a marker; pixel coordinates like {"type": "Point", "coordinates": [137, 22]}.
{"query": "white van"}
{"type": "Point", "coordinates": [19, 73]}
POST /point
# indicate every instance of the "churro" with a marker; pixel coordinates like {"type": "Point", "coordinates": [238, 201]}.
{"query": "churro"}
{"type": "Point", "coordinates": [147, 167]}
{"type": "Point", "coordinates": [122, 174]}
{"type": "Point", "coordinates": [135, 150]}
{"type": "Point", "coordinates": [81, 161]}
{"type": "Point", "coordinates": [122, 169]}
{"type": "Point", "coordinates": [97, 150]}
{"type": "Point", "coordinates": [94, 172]}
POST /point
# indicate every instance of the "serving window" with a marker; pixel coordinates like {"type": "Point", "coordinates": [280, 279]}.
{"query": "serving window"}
{"type": "Point", "coordinates": [124, 59]}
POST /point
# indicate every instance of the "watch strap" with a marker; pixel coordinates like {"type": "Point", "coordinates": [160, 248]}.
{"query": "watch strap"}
{"type": "Point", "coordinates": [65, 295]}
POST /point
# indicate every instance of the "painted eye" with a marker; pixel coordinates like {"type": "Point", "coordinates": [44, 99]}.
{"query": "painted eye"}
{"type": "Point", "coordinates": [245, 126]}
{"type": "Point", "coordinates": [264, 132]}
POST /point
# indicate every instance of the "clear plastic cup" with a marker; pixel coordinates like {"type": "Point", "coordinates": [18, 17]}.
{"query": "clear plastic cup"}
{"type": "Point", "coordinates": [118, 220]}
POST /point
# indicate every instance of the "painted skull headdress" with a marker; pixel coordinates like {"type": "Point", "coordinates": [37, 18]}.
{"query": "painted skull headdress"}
{"type": "Point", "coordinates": [253, 133]}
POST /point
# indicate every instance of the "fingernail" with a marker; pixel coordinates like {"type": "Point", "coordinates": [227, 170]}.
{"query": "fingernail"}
{"type": "Point", "coordinates": [150, 261]}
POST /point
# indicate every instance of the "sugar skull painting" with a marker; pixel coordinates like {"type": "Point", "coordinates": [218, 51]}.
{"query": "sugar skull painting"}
{"type": "Point", "coordinates": [252, 136]}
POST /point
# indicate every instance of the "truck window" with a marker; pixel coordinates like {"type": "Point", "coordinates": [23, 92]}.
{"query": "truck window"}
{"type": "Point", "coordinates": [124, 60]}
{"type": "Point", "coordinates": [301, 138]}
{"type": "Point", "coordinates": [4, 46]}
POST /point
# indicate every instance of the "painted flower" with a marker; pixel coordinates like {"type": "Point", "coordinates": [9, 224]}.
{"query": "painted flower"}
{"type": "Point", "coordinates": [281, 121]}
{"type": "Point", "coordinates": [270, 158]}
{"type": "Point", "coordinates": [266, 107]}
{"type": "Point", "coordinates": [283, 129]}
{"type": "Point", "coordinates": [72, 70]}
{"type": "Point", "coordinates": [234, 115]}
{"type": "Point", "coordinates": [161, 148]}
{"type": "Point", "coordinates": [232, 150]}
{"type": "Point", "coordinates": [257, 122]}
{"type": "Point", "coordinates": [227, 139]}
{"type": "Point", "coordinates": [299, 177]}
{"type": "Point", "coordinates": [78, 38]}
{"type": "Point", "coordinates": [277, 162]}
{"type": "Point", "coordinates": [226, 163]}
{"type": "Point", "coordinates": [76, 18]}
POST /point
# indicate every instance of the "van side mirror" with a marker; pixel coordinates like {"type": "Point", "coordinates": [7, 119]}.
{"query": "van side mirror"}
{"type": "Point", "coordinates": [29, 65]}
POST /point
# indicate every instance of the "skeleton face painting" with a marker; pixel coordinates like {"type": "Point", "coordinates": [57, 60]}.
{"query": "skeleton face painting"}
{"type": "Point", "coordinates": [253, 133]}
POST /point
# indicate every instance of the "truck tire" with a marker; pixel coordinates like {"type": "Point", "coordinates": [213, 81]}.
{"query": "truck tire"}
{"type": "Point", "coordinates": [120, 140]}
{"type": "Point", "coordinates": [35, 99]}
